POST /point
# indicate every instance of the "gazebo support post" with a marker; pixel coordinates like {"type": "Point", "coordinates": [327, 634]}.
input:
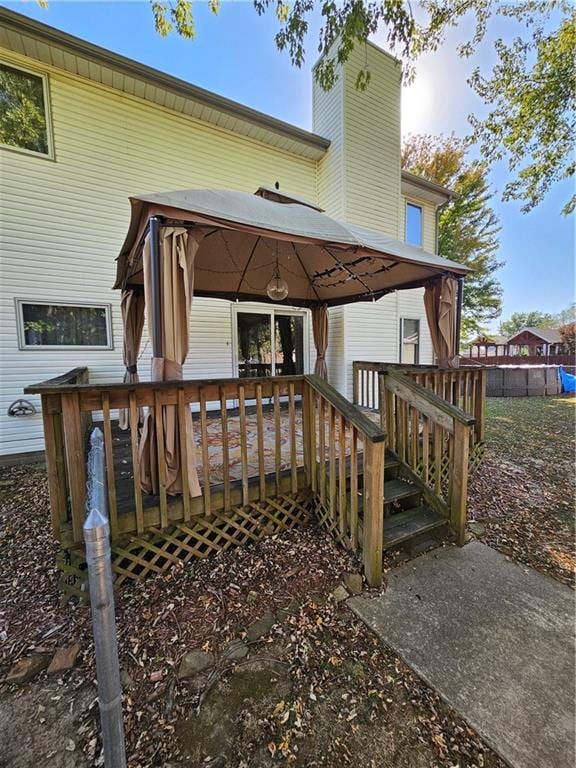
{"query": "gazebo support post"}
{"type": "Point", "coordinates": [459, 305]}
{"type": "Point", "coordinates": [155, 275]}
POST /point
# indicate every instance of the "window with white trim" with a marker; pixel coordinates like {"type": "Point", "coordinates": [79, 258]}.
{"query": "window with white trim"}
{"type": "Point", "coordinates": [414, 223]}
{"type": "Point", "coordinates": [24, 111]}
{"type": "Point", "coordinates": [63, 325]}
{"type": "Point", "coordinates": [409, 341]}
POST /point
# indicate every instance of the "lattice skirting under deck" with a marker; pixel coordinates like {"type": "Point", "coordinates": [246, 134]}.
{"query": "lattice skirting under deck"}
{"type": "Point", "coordinates": [158, 550]}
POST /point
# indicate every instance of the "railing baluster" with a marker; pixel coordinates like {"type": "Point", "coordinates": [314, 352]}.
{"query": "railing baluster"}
{"type": "Point", "coordinates": [313, 450]}
{"type": "Point", "coordinates": [342, 506]}
{"type": "Point", "coordinates": [205, 454]}
{"type": "Point", "coordinates": [161, 454]}
{"type": "Point", "coordinates": [277, 437]}
{"type": "Point", "coordinates": [322, 440]}
{"type": "Point", "coordinates": [243, 443]}
{"type": "Point", "coordinates": [225, 448]}
{"type": "Point", "coordinates": [332, 462]}
{"type": "Point", "coordinates": [182, 434]}
{"type": "Point", "coordinates": [260, 439]}
{"type": "Point", "coordinates": [414, 436]}
{"type": "Point", "coordinates": [354, 488]}
{"type": "Point", "coordinates": [110, 476]}
{"type": "Point", "coordinates": [425, 449]}
{"type": "Point", "coordinates": [292, 419]}
{"type": "Point", "coordinates": [136, 461]}
{"type": "Point", "coordinates": [437, 449]}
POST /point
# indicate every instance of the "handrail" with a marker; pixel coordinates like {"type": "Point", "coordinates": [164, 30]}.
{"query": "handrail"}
{"type": "Point", "coordinates": [46, 387]}
{"type": "Point", "coordinates": [355, 416]}
{"type": "Point", "coordinates": [432, 399]}
{"type": "Point", "coordinates": [73, 377]}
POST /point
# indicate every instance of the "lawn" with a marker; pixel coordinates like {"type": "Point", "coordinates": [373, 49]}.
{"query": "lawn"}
{"type": "Point", "coordinates": [523, 494]}
{"type": "Point", "coordinates": [308, 685]}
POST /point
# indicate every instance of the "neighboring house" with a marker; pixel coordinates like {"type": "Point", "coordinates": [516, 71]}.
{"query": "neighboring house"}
{"type": "Point", "coordinates": [539, 342]}
{"type": "Point", "coordinates": [116, 128]}
{"type": "Point", "coordinates": [488, 346]}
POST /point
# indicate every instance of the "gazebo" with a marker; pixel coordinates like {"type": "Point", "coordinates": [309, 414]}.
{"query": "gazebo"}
{"type": "Point", "coordinates": [168, 498]}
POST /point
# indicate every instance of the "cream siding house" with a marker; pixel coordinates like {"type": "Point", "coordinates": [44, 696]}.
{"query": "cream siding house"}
{"type": "Point", "coordinates": [118, 128]}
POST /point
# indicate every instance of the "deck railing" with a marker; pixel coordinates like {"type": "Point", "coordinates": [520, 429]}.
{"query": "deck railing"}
{"type": "Point", "coordinates": [464, 388]}
{"type": "Point", "coordinates": [264, 449]}
{"type": "Point", "coordinates": [347, 453]}
{"type": "Point", "coordinates": [432, 439]}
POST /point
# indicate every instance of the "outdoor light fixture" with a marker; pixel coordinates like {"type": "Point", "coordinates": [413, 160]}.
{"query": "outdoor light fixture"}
{"type": "Point", "coordinates": [277, 288]}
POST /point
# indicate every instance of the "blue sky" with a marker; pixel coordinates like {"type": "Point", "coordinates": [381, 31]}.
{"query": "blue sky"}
{"type": "Point", "coordinates": [234, 54]}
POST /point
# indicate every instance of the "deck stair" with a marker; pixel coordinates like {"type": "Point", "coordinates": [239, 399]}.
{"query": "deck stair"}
{"type": "Point", "coordinates": [406, 514]}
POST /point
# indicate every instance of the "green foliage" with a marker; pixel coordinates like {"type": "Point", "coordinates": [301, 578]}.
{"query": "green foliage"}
{"type": "Point", "coordinates": [530, 92]}
{"type": "Point", "coordinates": [532, 118]}
{"type": "Point", "coordinates": [537, 319]}
{"type": "Point", "coordinates": [567, 315]}
{"type": "Point", "coordinates": [532, 319]}
{"type": "Point", "coordinates": [468, 227]}
{"type": "Point", "coordinates": [22, 116]}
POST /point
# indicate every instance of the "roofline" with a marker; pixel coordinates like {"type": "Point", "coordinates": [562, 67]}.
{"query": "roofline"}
{"type": "Point", "coordinates": [534, 332]}
{"type": "Point", "coordinates": [130, 67]}
{"type": "Point", "coordinates": [420, 181]}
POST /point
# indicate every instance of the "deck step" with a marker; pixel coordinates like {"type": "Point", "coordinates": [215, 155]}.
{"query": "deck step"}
{"type": "Point", "coordinates": [409, 524]}
{"type": "Point", "coordinates": [394, 490]}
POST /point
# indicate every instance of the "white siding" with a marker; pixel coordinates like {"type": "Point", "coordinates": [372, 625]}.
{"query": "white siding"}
{"type": "Point", "coordinates": [63, 223]}
{"type": "Point", "coordinates": [372, 331]}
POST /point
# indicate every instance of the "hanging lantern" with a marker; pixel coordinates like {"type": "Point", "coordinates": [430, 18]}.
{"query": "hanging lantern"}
{"type": "Point", "coordinates": [277, 288]}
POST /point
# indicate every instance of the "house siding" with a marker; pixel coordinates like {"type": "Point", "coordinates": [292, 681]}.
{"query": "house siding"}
{"type": "Point", "coordinates": [362, 171]}
{"type": "Point", "coordinates": [64, 220]}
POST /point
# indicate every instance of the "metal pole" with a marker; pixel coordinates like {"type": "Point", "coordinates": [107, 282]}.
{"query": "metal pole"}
{"type": "Point", "coordinates": [97, 540]}
{"type": "Point", "coordinates": [155, 275]}
{"type": "Point", "coordinates": [459, 316]}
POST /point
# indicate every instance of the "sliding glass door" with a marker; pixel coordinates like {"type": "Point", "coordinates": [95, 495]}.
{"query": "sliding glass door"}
{"type": "Point", "coordinates": [269, 342]}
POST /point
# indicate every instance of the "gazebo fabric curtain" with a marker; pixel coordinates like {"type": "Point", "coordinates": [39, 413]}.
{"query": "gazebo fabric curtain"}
{"type": "Point", "coordinates": [178, 248]}
{"type": "Point", "coordinates": [132, 309]}
{"type": "Point", "coordinates": [440, 301]}
{"type": "Point", "coordinates": [320, 333]}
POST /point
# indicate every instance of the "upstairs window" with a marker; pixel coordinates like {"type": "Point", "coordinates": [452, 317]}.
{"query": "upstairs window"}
{"type": "Point", "coordinates": [24, 111]}
{"type": "Point", "coordinates": [413, 224]}
{"type": "Point", "coordinates": [57, 326]}
{"type": "Point", "coordinates": [409, 341]}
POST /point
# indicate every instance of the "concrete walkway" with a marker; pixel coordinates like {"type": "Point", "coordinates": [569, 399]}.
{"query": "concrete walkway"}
{"type": "Point", "coordinates": [496, 641]}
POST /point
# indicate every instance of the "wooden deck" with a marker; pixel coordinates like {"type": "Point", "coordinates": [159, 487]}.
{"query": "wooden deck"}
{"type": "Point", "coordinates": [291, 447]}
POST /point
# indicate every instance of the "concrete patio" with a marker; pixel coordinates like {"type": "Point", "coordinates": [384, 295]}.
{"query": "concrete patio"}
{"type": "Point", "coordinates": [496, 641]}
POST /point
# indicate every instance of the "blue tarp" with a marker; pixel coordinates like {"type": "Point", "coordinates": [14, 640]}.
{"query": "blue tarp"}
{"type": "Point", "coordinates": [568, 381]}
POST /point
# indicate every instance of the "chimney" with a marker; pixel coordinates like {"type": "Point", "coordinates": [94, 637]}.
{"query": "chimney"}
{"type": "Point", "coordinates": [359, 177]}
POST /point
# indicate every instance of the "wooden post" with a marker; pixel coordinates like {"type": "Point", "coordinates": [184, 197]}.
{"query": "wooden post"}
{"type": "Point", "coordinates": [373, 511]}
{"type": "Point", "coordinates": [459, 484]}
{"type": "Point", "coordinates": [54, 467]}
{"type": "Point", "coordinates": [76, 461]}
{"type": "Point", "coordinates": [355, 371]}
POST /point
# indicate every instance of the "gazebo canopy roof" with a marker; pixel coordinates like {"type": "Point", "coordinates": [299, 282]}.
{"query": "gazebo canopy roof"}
{"type": "Point", "coordinates": [323, 260]}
